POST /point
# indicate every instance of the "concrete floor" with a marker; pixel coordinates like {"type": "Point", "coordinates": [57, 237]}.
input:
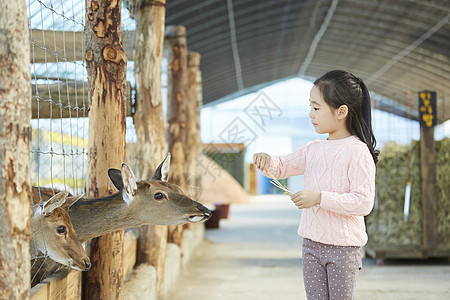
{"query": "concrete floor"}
{"type": "Point", "coordinates": [256, 254]}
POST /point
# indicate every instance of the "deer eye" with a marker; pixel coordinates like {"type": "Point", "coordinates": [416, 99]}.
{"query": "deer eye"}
{"type": "Point", "coordinates": [61, 229]}
{"type": "Point", "coordinates": [158, 196]}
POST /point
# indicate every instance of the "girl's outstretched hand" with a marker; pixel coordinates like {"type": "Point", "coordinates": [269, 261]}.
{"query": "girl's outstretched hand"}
{"type": "Point", "coordinates": [262, 161]}
{"type": "Point", "coordinates": [306, 199]}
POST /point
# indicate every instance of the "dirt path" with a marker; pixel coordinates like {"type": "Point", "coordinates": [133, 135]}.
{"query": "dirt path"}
{"type": "Point", "coordinates": [256, 254]}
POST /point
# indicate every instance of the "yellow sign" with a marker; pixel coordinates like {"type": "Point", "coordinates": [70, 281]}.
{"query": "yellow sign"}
{"type": "Point", "coordinates": [427, 108]}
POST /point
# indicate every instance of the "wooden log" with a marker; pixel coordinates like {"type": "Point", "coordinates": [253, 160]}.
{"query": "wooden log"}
{"type": "Point", "coordinates": [129, 252]}
{"type": "Point", "coordinates": [54, 287]}
{"type": "Point", "coordinates": [141, 283]}
{"type": "Point", "coordinates": [429, 188]}
{"type": "Point", "coordinates": [106, 68]}
{"type": "Point", "coordinates": [60, 100]}
{"type": "Point", "coordinates": [152, 246]}
{"type": "Point", "coordinates": [49, 46]}
{"type": "Point", "coordinates": [15, 142]}
{"type": "Point", "coordinates": [172, 267]}
{"type": "Point", "coordinates": [67, 99]}
{"type": "Point", "coordinates": [176, 53]}
{"type": "Point", "coordinates": [199, 89]}
{"type": "Point", "coordinates": [39, 291]}
{"type": "Point", "coordinates": [151, 145]}
{"type": "Point", "coordinates": [193, 128]}
{"type": "Point", "coordinates": [192, 132]}
{"type": "Point", "coordinates": [68, 287]}
{"type": "Point", "coordinates": [70, 41]}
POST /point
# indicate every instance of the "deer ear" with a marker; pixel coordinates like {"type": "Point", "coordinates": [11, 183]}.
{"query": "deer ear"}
{"type": "Point", "coordinates": [54, 202]}
{"type": "Point", "coordinates": [116, 178]}
{"type": "Point", "coordinates": [162, 172]}
{"type": "Point", "coordinates": [129, 184]}
{"type": "Point", "coordinates": [71, 200]}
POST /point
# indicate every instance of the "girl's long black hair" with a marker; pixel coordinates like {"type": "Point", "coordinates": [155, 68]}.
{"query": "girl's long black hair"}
{"type": "Point", "coordinates": [343, 88]}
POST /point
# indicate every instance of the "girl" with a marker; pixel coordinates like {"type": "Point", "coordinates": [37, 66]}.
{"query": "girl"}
{"type": "Point", "coordinates": [339, 184]}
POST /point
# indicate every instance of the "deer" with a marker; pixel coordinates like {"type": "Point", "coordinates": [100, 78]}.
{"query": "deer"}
{"type": "Point", "coordinates": [137, 203]}
{"type": "Point", "coordinates": [53, 232]}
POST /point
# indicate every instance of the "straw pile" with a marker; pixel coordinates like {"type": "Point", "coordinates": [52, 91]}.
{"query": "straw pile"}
{"type": "Point", "coordinates": [385, 225]}
{"type": "Point", "coordinates": [218, 186]}
{"type": "Point", "coordinates": [443, 191]}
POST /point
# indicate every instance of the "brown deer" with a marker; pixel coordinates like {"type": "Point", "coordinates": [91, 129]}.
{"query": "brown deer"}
{"type": "Point", "coordinates": [53, 232]}
{"type": "Point", "coordinates": [137, 203]}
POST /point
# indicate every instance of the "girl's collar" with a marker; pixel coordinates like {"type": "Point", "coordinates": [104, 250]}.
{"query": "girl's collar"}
{"type": "Point", "coordinates": [340, 140]}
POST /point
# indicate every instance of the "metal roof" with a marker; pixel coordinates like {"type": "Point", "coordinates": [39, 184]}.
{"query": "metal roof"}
{"type": "Point", "coordinates": [397, 47]}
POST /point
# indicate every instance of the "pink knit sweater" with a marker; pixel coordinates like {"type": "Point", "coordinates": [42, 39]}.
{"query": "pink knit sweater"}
{"type": "Point", "coordinates": [344, 172]}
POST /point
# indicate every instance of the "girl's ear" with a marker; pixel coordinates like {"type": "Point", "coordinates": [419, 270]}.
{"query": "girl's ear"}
{"type": "Point", "coordinates": [342, 112]}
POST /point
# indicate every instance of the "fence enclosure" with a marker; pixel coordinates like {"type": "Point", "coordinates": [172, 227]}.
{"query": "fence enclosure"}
{"type": "Point", "coordinates": [15, 141]}
{"type": "Point", "coordinates": [80, 102]}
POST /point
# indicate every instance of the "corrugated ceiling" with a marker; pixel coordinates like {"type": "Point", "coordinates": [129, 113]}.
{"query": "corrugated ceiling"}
{"type": "Point", "coordinates": [397, 47]}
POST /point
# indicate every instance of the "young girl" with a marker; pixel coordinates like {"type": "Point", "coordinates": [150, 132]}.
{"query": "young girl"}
{"type": "Point", "coordinates": [339, 184]}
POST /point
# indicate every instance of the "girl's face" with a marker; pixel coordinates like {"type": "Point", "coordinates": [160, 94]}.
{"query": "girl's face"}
{"type": "Point", "coordinates": [323, 116]}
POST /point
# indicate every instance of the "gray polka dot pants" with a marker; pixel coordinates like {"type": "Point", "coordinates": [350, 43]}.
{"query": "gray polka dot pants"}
{"type": "Point", "coordinates": [330, 272]}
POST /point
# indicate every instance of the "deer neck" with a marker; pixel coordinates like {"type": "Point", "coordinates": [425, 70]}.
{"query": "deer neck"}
{"type": "Point", "coordinates": [105, 215]}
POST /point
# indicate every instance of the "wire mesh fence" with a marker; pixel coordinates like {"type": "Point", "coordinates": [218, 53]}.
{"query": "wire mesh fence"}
{"type": "Point", "coordinates": [59, 103]}
{"type": "Point", "coordinates": [60, 90]}
{"type": "Point", "coordinates": [60, 98]}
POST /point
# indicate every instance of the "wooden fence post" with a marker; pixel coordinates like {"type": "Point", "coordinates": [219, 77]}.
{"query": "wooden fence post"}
{"type": "Point", "coordinates": [148, 118]}
{"type": "Point", "coordinates": [106, 67]}
{"type": "Point", "coordinates": [15, 143]}
{"type": "Point", "coordinates": [429, 189]}
{"type": "Point", "coordinates": [149, 122]}
{"type": "Point", "coordinates": [199, 106]}
{"type": "Point", "coordinates": [176, 53]}
{"type": "Point", "coordinates": [193, 130]}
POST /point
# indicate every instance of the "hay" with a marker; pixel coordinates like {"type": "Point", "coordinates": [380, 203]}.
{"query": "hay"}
{"type": "Point", "coordinates": [385, 226]}
{"type": "Point", "coordinates": [218, 186]}
{"type": "Point", "coordinates": [443, 191]}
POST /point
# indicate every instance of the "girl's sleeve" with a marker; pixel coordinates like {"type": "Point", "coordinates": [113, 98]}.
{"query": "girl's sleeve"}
{"type": "Point", "coordinates": [290, 165]}
{"type": "Point", "coordinates": [359, 201]}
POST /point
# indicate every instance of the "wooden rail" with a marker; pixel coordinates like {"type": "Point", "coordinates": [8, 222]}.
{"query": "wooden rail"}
{"type": "Point", "coordinates": [49, 46]}
{"type": "Point", "coordinates": [65, 99]}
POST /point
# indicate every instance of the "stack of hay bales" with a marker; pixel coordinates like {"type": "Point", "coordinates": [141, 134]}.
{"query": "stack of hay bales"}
{"type": "Point", "coordinates": [443, 192]}
{"type": "Point", "coordinates": [385, 225]}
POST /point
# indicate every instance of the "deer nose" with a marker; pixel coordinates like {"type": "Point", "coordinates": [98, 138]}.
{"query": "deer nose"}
{"type": "Point", "coordinates": [205, 211]}
{"type": "Point", "coordinates": [87, 265]}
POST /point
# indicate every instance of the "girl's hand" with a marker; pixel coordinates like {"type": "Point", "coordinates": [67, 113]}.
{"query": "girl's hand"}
{"type": "Point", "coordinates": [306, 199]}
{"type": "Point", "coordinates": [262, 161]}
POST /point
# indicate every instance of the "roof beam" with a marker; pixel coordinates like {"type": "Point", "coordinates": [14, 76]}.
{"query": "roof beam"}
{"type": "Point", "coordinates": [317, 38]}
{"type": "Point", "coordinates": [408, 49]}
{"type": "Point", "coordinates": [234, 46]}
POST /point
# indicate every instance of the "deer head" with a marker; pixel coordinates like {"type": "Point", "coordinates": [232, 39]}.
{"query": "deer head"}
{"type": "Point", "coordinates": [137, 203]}
{"type": "Point", "coordinates": [157, 201]}
{"type": "Point", "coordinates": [53, 232]}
